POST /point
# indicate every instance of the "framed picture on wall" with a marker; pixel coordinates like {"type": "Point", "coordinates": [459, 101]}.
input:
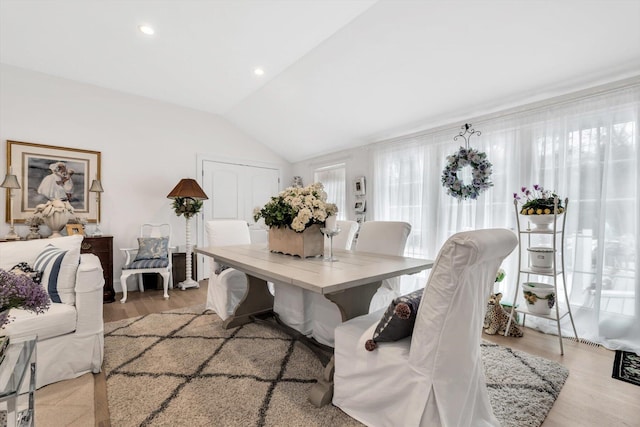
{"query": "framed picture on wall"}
{"type": "Point", "coordinates": [360, 206]}
{"type": "Point", "coordinates": [359, 186]}
{"type": "Point", "coordinates": [47, 172]}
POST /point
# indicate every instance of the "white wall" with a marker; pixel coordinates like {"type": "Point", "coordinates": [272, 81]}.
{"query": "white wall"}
{"type": "Point", "coordinates": [147, 146]}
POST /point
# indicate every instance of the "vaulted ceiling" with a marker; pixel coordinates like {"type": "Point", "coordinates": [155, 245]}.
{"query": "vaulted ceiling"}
{"type": "Point", "coordinates": [337, 73]}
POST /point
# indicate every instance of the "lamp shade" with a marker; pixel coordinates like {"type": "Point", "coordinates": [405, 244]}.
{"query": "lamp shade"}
{"type": "Point", "coordinates": [10, 181]}
{"type": "Point", "coordinates": [96, 186]}
{"type": "Point", "coordinates": [188, 187]}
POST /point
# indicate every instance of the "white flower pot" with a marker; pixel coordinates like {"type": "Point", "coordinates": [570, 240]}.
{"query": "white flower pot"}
{"type": "Point", "coordinates": [541, 222]}
{"type": "Point", "coordinates": [539, 297]}
{"type": "Point", "coordinates": [541, 258]}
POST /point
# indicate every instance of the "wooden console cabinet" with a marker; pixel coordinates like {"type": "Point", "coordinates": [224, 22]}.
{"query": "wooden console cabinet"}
{"type": "Point", "coordinates": [102, 247]}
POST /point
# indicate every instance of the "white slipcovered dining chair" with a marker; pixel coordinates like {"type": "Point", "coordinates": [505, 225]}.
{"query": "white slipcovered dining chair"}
{"type": "Point", "coordinates": [344, 239]}
{"type": "Point", "coordinates": [227, 286]}
{"type": "Point", "coordinates": [381, 237]}
{"type": "Point", "coordinates": [293, 304]}
{"type": "Point", "coordinates": [434, 377]}
{"type": "Point", "coordinates": [387, 238]}
{"type": "Point", "coordinates": [153, 255]}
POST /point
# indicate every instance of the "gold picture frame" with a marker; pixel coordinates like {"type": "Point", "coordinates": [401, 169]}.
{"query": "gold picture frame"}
{"type": "Point", "coordinates": [35, 166]}
{"type": "Point", "coordinates": [73, 229]}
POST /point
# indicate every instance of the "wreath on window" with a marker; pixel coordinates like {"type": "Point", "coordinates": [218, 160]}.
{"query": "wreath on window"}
{"type": "Point", "coordinates": [480, 174]}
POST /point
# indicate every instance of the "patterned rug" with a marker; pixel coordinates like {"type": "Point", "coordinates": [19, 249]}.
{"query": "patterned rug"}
{"type": "Point", "coordinates": [181, 368]}
{"type": "Point", "coordinates": [626, 367]}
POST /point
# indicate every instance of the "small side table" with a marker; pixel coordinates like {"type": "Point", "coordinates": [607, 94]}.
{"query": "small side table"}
{"type": "Point", "coordinates": [18, 364]}
{"type": "Point", "coordinates": [178, 273]}
{"type": "Point", "coordinates": [102, 247]}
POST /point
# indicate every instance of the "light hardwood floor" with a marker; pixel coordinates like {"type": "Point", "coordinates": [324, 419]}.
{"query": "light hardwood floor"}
{"type": "Point", "coordinates": [590, 397]}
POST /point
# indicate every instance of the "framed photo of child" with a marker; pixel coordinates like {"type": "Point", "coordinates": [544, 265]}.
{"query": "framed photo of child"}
{"type": "Point", "coordinates": [47, 172]}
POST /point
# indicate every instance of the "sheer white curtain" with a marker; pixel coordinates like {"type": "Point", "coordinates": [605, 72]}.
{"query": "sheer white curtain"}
{"type": "Point", "coordinates": [587, 150]}
{"type": "Point", "coordinates": [334, 180]}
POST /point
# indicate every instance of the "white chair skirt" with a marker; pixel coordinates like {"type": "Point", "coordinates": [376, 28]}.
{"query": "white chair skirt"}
{"type": "Point", "coordinates": [293, 305]}
{"type": "Point", "coordinates": [225, 291]}
{"type": "Point", "coordinates": [381, 389]}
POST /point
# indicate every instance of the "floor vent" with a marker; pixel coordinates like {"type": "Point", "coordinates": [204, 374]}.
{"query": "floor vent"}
{"type": "Point", "coordinates": [584, 341]}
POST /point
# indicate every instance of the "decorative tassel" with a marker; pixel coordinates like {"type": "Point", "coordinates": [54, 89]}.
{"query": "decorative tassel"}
{"type": "Point", "coordinates": [403, 311]}
{"type": "Point", "coordinates": [370, 345]}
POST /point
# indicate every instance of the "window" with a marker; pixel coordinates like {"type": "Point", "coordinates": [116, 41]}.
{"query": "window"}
{"type": "Point", "coordinates": [585, 150]}
{"type": "Point", "coordinates": [334, 180]}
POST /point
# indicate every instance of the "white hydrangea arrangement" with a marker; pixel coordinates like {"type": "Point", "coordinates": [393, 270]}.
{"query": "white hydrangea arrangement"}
{"type": "Point", "coordinates": [297, 208]}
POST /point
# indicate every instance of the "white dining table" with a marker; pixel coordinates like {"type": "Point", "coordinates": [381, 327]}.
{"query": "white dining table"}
{"type": "Point", "coordinates": [350, 283]}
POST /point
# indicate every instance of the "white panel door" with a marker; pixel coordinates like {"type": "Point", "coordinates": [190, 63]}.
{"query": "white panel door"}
{"type": "Point", "coordinates": [234, 191]}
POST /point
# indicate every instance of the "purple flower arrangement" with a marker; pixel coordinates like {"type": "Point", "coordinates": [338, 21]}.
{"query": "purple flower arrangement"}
{"type": "Point", "coordinates": [20, 291]}
{"type": "Point", "coordinates": [538, 201]}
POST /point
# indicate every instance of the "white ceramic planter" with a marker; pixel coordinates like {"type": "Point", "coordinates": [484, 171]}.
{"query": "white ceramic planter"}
{"type": "Point", "coordinates": [56, 222]}
{"type": "Point", "coordinates": [539, 297]}
{"type": "Point", "coordinates": [541, 222]}
{"type": "Point", "coordinates": [541, 258]}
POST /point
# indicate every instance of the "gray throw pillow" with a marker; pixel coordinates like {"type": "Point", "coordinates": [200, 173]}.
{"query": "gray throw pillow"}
{"type": "Point", "coordinates": [397, 321]}
{"type": "Point", "coordinates": [152, 248]}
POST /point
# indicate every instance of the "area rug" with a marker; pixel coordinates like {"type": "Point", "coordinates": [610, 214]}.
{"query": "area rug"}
{"type": "Point", "coordinates": [181, 368]}
{"type": "Point", "coordinates": [626, 367]}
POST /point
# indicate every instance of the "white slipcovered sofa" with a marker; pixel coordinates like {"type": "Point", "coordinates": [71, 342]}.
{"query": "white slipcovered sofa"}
{"type": "Point", "coordinates": [70, 333]}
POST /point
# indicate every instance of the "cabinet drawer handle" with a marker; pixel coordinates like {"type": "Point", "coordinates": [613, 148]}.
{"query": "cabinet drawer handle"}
{"type": "Point", "coordinates": [86, 246]}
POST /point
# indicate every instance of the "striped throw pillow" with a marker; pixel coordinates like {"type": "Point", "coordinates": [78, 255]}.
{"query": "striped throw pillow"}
{"type": "Point", "coordinates": [48, 263]}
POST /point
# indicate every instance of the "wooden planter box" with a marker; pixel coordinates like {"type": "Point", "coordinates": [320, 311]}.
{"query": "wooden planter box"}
{"type": "Point", "coordinates": [306, 244]}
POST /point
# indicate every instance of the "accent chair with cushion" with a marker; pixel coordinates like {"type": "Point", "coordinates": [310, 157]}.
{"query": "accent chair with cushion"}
{"type": "Point", "coordinates": [153, 255]}
{"type": "Point", "coordinates": [70, 339]}
{"type": "Point", "coordinates": [431, 375]}
{"type": "Point", "coordinates": [227, 286]}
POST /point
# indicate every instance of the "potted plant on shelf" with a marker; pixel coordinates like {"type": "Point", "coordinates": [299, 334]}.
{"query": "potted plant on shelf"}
{"type": "Point", "coordinates": [540, 205]}
{"type": "Point", "coordinates": [294, 218]}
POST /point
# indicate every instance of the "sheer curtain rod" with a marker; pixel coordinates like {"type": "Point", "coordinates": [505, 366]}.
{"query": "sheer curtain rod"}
{"type": "Point", "coordinates": [609, 88]}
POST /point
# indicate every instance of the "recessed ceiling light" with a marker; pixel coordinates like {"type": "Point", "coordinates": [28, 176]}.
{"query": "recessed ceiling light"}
{"type": "Point", "coordinates": [258, 71]}
{"type": "Point", "coordinates": [146, 29]}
